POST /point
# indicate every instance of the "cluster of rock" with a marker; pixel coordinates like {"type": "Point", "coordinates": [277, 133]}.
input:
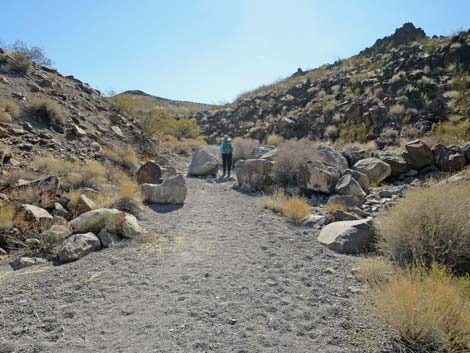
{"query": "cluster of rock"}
{"type": "Point", "coordinates": [405, 70]}
{"type": "Point", "coordinates": [352, 187]}
{"type": "Point", "coordinates": [41, 218]}
{"type": "Point", "coordinates": [161, 184]}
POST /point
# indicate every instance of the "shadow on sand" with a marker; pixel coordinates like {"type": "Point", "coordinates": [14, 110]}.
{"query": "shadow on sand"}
{"type": "Point", "coordinates": [164, 208]}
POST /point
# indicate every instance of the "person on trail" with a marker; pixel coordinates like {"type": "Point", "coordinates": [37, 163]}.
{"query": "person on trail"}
{"type": "Point", "coordinates": [226, 149]}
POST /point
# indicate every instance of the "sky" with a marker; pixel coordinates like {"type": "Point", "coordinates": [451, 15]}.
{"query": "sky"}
{"type": "Point", "coordinates": [210, 51]}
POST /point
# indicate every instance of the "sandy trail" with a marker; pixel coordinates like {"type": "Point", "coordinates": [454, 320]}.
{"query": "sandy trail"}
{"type": "Point", "coordinates": [225, 276]}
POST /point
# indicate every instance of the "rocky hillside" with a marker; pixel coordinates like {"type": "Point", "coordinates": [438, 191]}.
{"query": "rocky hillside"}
{"type": "Point", "coordinates": [44, 112]}
{"type": "Point", "coordinates": [400, 86]}
{"type": "Point", "coordinates": [176, 106]}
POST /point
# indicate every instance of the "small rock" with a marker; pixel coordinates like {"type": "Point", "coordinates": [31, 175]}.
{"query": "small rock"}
{"type": "Point", "coordinates": [77, 246]}
{"type": "Point", "coordinates": [24, 262]}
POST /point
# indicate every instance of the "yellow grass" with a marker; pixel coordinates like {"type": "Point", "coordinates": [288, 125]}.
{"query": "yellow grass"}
{"type": "Point", "coordinates": [296, 209]}
{"type": "Point", "coordinates": [274, 139]}
{"type": "Point", "coordinates": [7, 215]}
{"type": "Point", "coordinates": [275, 202]}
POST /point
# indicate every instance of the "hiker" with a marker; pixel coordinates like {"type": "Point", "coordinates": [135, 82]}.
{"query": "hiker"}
{"type": "Point", "coordinates": [226, 149]}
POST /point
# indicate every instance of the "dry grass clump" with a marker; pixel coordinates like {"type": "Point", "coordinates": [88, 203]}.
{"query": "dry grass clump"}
{"type": "Point", "coordinates": [274, 139]}
{"type": "Point", "coordinates": [294, 208]}
{"type": "Point", "coordinates": [430, 224]}
{"type": "Point", "coordinates": [429, 308]}
{"type": "Point", "coordinates": [451, 132]}
{"type": "Point", "coordinates": [351, 132]}
{"type": "Point", "coordinates": [185, 146]}
{"type": "Point", "coordinates": [7, 215]}
{"type": "Point", "coordinates": [374, 270]}
{"type": "Point", "coordinates": [124, 157]}
{"type": "Point", "coordinates": [243, 147]}
{"type": "Point", "coordinates": [47, 110]}
{"type": "Point", "coordinates": [21, 64]}
{"type": "Point", "coordinates": [291, 155]}
{"type": "Point", "coordinates": [9, 110]}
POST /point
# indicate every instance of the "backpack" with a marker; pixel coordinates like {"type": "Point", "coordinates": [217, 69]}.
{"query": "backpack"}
{"type": "Point", "coordinates": [227, 147]}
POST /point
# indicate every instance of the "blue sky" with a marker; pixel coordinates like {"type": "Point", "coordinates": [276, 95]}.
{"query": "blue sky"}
{"type": "Point", "coordinates": [207, 50]}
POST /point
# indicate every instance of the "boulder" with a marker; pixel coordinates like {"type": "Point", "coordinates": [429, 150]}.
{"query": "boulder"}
{"type": "Point", "coordinates": [466, 152]}
{"type": "Point", "coordinates": [260, 151]}
{"type": "Point", "coordinates": [316, 176]}
{"type": "Point", "coordinates": [343, 215]}
{"type": "Point", "coordinates": [418, 155]}
{"type": "Point", "coordinates": [447, 160]}
{"type": "Point", "coordinates": [344, 201]}
{"type": "Point", "coordinates": [254, 174]}
{"type": "Point", "coordinates": [203, 163]}
{"type": "Point", "coordinates": [57, 232]}
{"type": "Point", "coordinates": [375, 169]}
{"type": "Point", "coordinates": [78, 131]}
{"type": "Point", "coordinates": [361, 178]}
{"type": "Point", "coordinates": [33, 218]}
{"type": "Point", "coordinates": [171, 191]}
{"type": "Point", "coordinates": [24, 262]}
{"type": "Point", "coordinates": [398, 165]}
{"type": "Point", "coordinates": [149, 173]}
{"type": "Point", "coordinates": [77, 246]}
{"type": "Point", "coordinates": [348, 236]}
{"type": "Point", "coordinates": [38, 192]}
{"type": "Point", "coordinates": [84, 204]}
{"type": "Point", "coordinates": [329, 156]}
{"type": "Point", "coordinates": [113, 220]}
{"type": "Point", "coordinates": [107, 239]}
{"type": "Point", "coordinates": [347, 185]}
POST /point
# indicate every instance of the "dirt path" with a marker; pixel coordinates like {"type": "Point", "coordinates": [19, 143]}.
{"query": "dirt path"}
{"type": "Point", "coordinates": [225, 276]}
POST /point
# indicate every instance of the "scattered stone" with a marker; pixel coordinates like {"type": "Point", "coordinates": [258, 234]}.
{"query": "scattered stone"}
{"type": "Point", "coordinates": [418, 155]}
{"type": "Point", "coordinates": [3, 252]}
{"type": "Point", "coordinates": [38, 192]}
{"type": "Point", "coordinates": [84, 204]}
{"type": "Point", "coordinates": [343, 215]}
{"type": "Point", "coordinates": [317, 176]}
{"type": "Point", "coordinates": [347, 236]}
{"type": "Point", "coordinates": [361, 178]}
{"type": "Point", "coordinates": [344, 201]}
{"type": "Point", "coordinates": [398, 165]}
{"type": "Point", "coordinates": [107, 239]}
{"type": "Point", "coordinates": [59, 210]}
{"type": "Point", "coordinates": [149, 173]}
{"type": "Point", "coordinates": [347, 185]}
{"type": "Point", "coordinates": [254, 174]}
{"type": "Point", "coordinates": [77, 246]}
{"type": "Point", "coordinates": [24, 262]}
{"type": "Point", "coordinates": [170, 191]}
{"type": "Point", "coordinates": [375, 169]}
{"type": "Point", "coordinates": [117, 130]}
{"type": "Point", "coordinates": [203, 163]}
{"type": "Point", "coordinates": [78, 131]}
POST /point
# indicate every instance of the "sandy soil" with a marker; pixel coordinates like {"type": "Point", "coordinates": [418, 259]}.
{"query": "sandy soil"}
{"type": "Point", "coordinates": [223, 276]}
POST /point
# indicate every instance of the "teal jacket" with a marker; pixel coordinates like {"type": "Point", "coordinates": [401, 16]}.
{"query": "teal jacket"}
{"type": "Point", "coordinates": [221, 147]}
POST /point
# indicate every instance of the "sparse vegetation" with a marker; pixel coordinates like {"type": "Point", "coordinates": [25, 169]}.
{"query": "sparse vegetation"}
{"type": "Point", "coordinates": [450, 132]}
{"type": "Point", "coordinates": [274, 139]}
{"type": "Point", "coordinates": [21, 63]}
{"type": "Point", "coordinates": [35, 54]}
{"type": "Point", "coordinates": [7, 214]}
{"type": "Point", "coordinates": [350, 133]}
{"type": "Point", "coordinates": [9, 110]}
{"type": "Point", "coordinates": [124, 157]}
{"type": "Point", "coordinates": [47, 110]}
{"type": "Point", "coordinates": [243, 147]}
{"type": "Point", "coordinates": [294, 208]}
{"type": "Point", "coordinates": [430, 224]}
{"type": "Point", "coordinates": [291, 155]}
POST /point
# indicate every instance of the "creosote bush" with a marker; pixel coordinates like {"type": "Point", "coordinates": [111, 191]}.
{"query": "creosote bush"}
{"type": "Point", "coordinates": [21, 64]}
{"type": "Point", "coordinates": [274, 139]}
{"type": "Point", "coordinates": [243, 148]}
{"type": "Point", "coordinates": [291, 155]}
{"type": "Point", "coordinates": [9, 110]}
{"type": "Point", "coordinates": [450, 132]}
{"type": "Point", "coordinates": [430, 224]}
{"type": "Point", "coordinates": [47, 110]}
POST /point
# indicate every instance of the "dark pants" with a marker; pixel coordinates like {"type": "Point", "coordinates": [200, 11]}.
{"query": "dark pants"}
{"type": "Point", "coordinates": [227, 162]}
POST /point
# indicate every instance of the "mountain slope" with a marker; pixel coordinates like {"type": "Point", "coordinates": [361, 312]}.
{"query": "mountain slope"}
{"type": "Point", "coordinates": [402, 85]}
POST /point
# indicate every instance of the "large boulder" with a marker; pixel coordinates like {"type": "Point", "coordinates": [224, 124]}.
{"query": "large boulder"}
{"type": "Point", "coordinates": [398, 165]}
{"type": "Point", "coordinates": [331, 157]}
{"type": "Point", "coordinates": [149, 173]}
{"type": "Point", "coordinates": [254, 174]}
{"type": "Point", "coordinates": [418, 155]}
{"type": "Point", "coordinates": [171, 191]}
{"type": "Point", "coordinates": [33, 218]}
{"type": "Point", "coordinates": [77, 246]}
{"type": "Point", "coordinates": [316, 176]}
{"type": "Point", "coordinates": [375, 169]}
{"type": "Point", "coordinates": [110, 219]}
{"type": "Point", "coordinates": [203, 163]}
{"type": "Point", "coordinates": [347, 185]}
{"type": "Point", "coordinates": [260, 151]}
{"type": "Point", "coordinates": [361, 178]}
{"type": "Point", "coordinates": [348, 236]}
{"type": "Point", "coordinates": [447, 160]}
{"type": "Point", "coordinates": [85, 204]}
{"type": "Point", "coordinates": [40, 192]}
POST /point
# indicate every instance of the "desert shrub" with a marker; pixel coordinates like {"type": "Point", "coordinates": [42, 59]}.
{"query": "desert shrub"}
{"type": "Point", "coordinates": [374, 271]}
{"type": "Point", "coordinates": [430, 224]}
{"type": "Point", "coordinates": [47, 110]}
{"type": "Point", "coordinates": [186, 146]}
{"type": "Point", "coordinates": [243, 147]}
{"type": "Point", "coordinates": [450, 132]}
{"type": "Point", "coordinates": [296, 209]}
{"type": "Point", "coordinates": [186, 128]}
{"type": "Point", "coordinates": [7, 214]}
{"type": "Point", "coordinates": [8, 110]}
{"type": "Point", "coordinates": [397, 110]}
{"type": "Point", "coordinates": [331, 132]}
{"type": "Point", "coordinates": [124, 157]}
{"type": "Point", "coordinates": [35, 54]}
{"type": "Point", "coordinates": [460, 100]}
{"type": "Point", "coordinates": [21, 63]}
{"type": "Point", "coordinates": [274, 139]}
{"type": "Point", "coordinates": [430, 309]}
{"type": "Point", "coordinates": [350, 133]}
{"type": "Point", "coordinates": [291, 155]}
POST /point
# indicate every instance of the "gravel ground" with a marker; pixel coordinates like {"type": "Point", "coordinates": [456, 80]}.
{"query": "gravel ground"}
{"type": "Point", "coordinates": [223, 275]}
